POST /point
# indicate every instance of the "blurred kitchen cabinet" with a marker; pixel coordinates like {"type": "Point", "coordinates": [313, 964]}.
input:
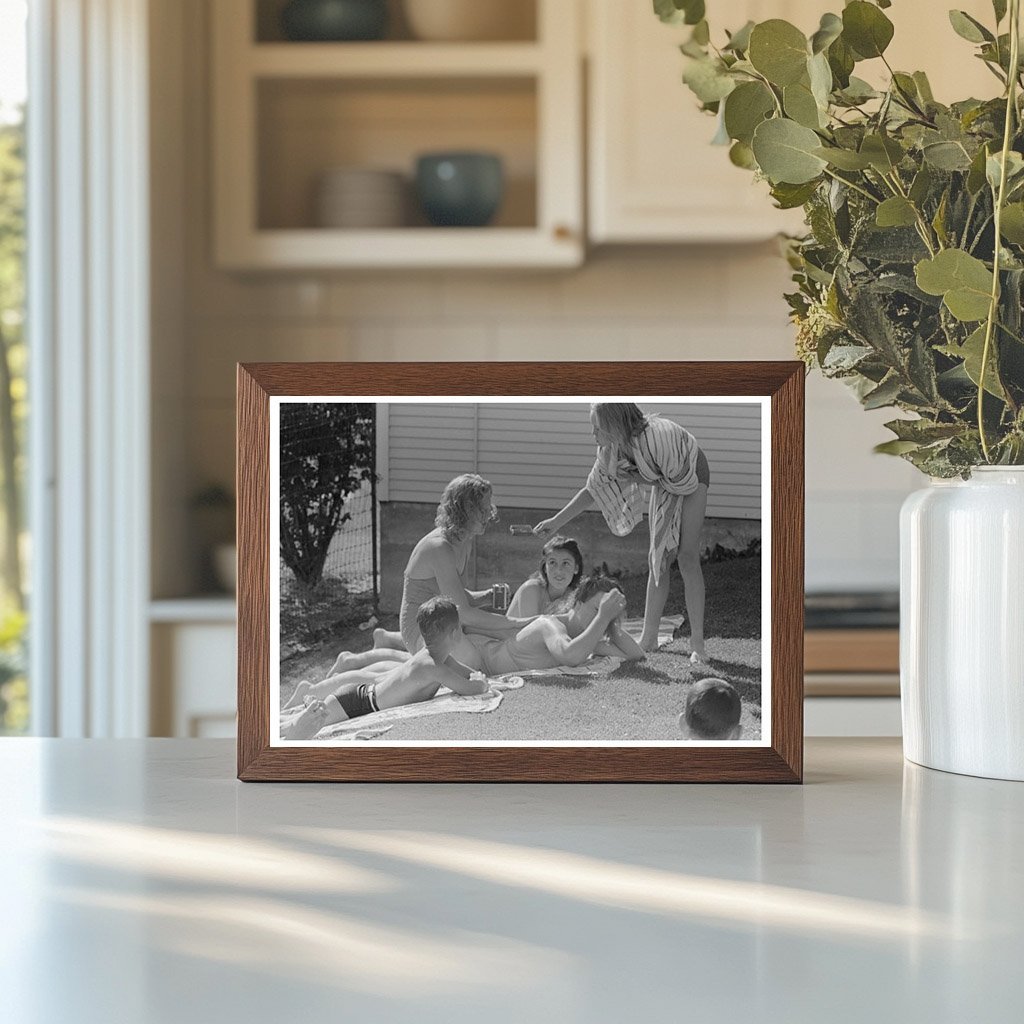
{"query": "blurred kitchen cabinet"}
{"type": "Point", "coordinates": [192, 650]}
{"type": "Point", "coordinates": [285, 114]}
{"type": "Point", "coordinates": [653, 175]}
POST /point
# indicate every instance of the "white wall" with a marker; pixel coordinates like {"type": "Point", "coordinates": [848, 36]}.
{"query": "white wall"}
{"type": "Point", "coordinates": [714, 302]}
{"type": "Point", "coordinates": [537, 455]}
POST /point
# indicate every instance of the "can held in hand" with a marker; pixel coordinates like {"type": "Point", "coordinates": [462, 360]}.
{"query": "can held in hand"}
{"type": "Point", "coordinates": [501, 595]}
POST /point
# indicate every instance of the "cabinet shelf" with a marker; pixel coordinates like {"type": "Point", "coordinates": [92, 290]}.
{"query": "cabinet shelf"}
{"type": "Point", "coordinates": [287, 114]}
{"type": "Point", "coordinates": [392, 60]}
{"type": "Point", "coordinates": [310, 248]}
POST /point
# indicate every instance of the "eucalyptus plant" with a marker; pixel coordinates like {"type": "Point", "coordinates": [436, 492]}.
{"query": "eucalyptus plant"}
{"type": "Point", "coordinates": [910, 278]}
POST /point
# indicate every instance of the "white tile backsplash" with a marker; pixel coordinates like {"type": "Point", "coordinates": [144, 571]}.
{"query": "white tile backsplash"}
{"type": "Point", "coordinates": [714, 303]}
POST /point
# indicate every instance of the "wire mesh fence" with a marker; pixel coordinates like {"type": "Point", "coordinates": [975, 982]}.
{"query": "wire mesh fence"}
{"type": "Point", "coordinates": [328, 510]}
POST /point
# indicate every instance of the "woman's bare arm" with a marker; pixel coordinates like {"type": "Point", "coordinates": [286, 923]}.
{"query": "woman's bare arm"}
{"type": "Point", "coordinates": [442, 561]}
{"type": "Point", "coordinates": [583, 501]}
{"type": "Point", "coordinates": [528, 600]}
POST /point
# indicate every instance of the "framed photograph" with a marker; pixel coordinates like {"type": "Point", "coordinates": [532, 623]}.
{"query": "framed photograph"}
{"type": "Point", "coordinates": [555, 572]}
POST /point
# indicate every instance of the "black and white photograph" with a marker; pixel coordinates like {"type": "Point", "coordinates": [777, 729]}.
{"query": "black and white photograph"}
{"type": "Point", "coordinates": [522, 571]}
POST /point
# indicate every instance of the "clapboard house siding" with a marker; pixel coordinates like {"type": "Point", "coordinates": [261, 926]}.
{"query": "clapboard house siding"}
{"type": "Point", "coordinates": [538, 456]}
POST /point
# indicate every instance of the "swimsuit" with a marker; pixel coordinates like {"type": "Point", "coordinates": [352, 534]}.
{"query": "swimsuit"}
{"type": "Point", "coordinates": [357, 699]}
{"type": "Point", "coordinates": [668, 458]}
{"type": "Point", "coordinates": [502, 656]}
{"type": "Point", "coordinates": [414, 593]}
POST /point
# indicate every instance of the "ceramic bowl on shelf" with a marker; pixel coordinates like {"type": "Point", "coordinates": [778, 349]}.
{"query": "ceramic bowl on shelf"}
{"type": "Point", "coordinates": [471, 20]}
{"type": "Point", "coordinates": [361, 198]}
{"type": "Point", "coordinates": [460, 189]}
{"type": "Point", "coordinates": [334, 20]}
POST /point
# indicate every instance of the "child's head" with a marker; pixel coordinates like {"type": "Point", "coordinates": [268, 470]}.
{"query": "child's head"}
{"type": "Point", "coordinates": [712, 711]}
{"type": "Point", "coordinates": [438, 620]}
{"type": "Point", "coordinates": [561, 563]}
{"type": "Point", "coordinates": [617, 421]}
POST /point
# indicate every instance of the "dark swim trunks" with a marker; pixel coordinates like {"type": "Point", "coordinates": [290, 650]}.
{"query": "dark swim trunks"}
{"type": "Point", "coordinates": [357, 699]}
{"type": "Point", "coordinates": [702, 468]}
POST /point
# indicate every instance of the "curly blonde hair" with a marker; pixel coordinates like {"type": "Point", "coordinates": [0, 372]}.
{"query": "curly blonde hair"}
{"type": "Point", "coordinates": [461, 498]}
{"type": "Point", "coordinates": [623, 420]}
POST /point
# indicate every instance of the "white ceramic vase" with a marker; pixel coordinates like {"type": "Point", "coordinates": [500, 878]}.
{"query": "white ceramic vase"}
{"type": "Point", "coordinates": [962, 624]}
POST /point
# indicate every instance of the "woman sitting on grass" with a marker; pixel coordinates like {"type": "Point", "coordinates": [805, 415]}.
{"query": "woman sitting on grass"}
{"type": "Point", "coordinates": [549, 590]}
{"type": "Point", "coordinates": [436, 567]}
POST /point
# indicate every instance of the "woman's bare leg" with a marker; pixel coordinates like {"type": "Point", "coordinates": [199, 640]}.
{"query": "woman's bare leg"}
{"type": "Point", "coordinates": [657, 595]}
{"type": "Point", "coordinates": [694, 507]}
{"type": "Point", "coordinates": [389, 638]}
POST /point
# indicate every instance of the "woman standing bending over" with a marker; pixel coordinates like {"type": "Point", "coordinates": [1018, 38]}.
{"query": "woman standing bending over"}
{"type": "Point", "coordinates": [635, 449]}
{"type": "Point", "coordinates": [550, 589]}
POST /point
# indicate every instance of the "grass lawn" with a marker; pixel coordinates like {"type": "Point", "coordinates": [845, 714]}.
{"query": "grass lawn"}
{"type": "Point", "coordinates": [634, 702]}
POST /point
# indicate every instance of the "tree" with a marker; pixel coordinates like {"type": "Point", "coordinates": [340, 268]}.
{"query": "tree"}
{"type": "Point", "coordinates": [326, 454]}
{"type": "Point", "coordinates": [12, 348]}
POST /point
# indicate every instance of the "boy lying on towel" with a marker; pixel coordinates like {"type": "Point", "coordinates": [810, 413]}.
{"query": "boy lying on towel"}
{"type": "Point", "coordinates": [593, 626]}
{"type": "Point", "coordinates": [388, 684]}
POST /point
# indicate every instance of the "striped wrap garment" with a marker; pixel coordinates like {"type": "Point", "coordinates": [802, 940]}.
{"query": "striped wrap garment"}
{"type": "Point", "coordinates": [665, 454]}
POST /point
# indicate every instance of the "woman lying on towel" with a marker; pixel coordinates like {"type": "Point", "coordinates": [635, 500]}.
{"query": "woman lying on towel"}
{"type": "Point", "coordinates": [388, 684]}
{"type": "Point", "coordinates": [593, 626]}
{"type": "Point", "coordinates": [549, 590]}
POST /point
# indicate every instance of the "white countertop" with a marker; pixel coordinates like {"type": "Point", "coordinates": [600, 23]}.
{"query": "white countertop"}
{"type": "Point", "coordinates": [143, 884]}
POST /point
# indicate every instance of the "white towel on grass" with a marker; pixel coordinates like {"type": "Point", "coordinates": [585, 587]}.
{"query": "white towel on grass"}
{"type": "Point", "coordinates": [444, 702]}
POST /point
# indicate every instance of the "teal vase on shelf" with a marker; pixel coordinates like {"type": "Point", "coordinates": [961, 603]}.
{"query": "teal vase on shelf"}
{"type": "Point", "coordinates": [326, 21]}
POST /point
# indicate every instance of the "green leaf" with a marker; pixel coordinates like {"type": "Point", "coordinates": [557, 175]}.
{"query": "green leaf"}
{"type": "Point", "coordinates": [923, 431]}
{"type": "Point", "coordinates": [841, 60]}
{"type": "Point", "coordinates": [800, 105]}
{"type": "Point", "coordinates": [976, 174]}
{"type": "Point", "coordinates": [785, 152]}
{"type": "Point", "coordinates": [924, 88]}
{"type": "Point", "coordinates": [895, 213]}
{"type": "Point", "coordinates": [829, 30]}
{"type": "Point", "coordinates": [994, 167]}
{"type": "Point", "coordinates": [963, 281]}
{"type": "Point", "coordinates": [739, 41]}
{"type": "Point", "coordinates": [895, 447]}
{"type": "Point", "coordinates": [866, 29]}
{"type": "Point", "coordinates": [921, 185]}
{"type": "Point", "coordinates": [883, 153]}
{"type": "Point", "coordinates": [1011, 225]}
{"type": "Point", "coordinates": [968, 28]}
{"type": "Point", "coordinates": [939, 220]}
{"type": "Point", "coordinates": [701, 33]}
{"type": "Point", "coordinates": [971, 352]}
{"type": "Point", "coordinates": [778, 50]}
{"type": "Point", "coordinates": [707, 80]}
{"type": "Point", "coordinates": [885, 394]}
{"type": "Point", "coordinates": [844, 159]}
{"type": "Point", "coordinates": [742, 155]}
{"type": "Point", "coordinates": [820, 76]}
{"type": "Point", "coordinates": [946, 156]}
{"type": "Point", "coordinates": [789, 197]}
{"type": "Point", "coordinates": [999, 7]}
{"type": "Point", "coordinates": [676, 12]}
{"type": "Point", "coordinates": [745, 108]}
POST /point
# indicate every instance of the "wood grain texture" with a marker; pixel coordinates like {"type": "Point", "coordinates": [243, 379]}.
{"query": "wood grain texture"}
{"type": "Point", "coordinates": [852, 650]}
{"type": "Point", "coordinates": [781, 762]}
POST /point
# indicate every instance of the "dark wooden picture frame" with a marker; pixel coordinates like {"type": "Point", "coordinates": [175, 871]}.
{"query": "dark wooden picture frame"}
{"type": "Point", "coordinates": [779, 761]}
